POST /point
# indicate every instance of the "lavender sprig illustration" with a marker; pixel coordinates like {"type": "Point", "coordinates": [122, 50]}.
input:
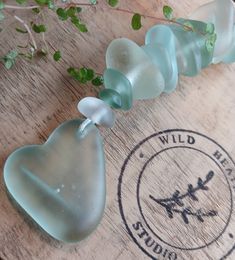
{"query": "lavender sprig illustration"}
{"type": "Point", "coordinates": [176, 200]}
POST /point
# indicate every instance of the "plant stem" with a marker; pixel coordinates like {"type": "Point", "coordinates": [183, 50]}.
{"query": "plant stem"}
{"type": "Point", "coordinates": [152, 17]}
{"type": "Point", "coordinates": [28, 30]}
{"type": "Point", "coordinates": [15, 7]}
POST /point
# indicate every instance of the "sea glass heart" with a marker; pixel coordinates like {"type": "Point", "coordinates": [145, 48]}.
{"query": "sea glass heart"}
{"type": "Point", "coordinates": [61, 184]}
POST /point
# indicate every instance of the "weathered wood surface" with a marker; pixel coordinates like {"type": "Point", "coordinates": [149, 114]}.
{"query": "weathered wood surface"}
{"type": "Point", "coordinates": [35, 98]}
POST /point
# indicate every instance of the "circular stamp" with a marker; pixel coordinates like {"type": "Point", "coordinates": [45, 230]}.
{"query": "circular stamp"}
{"type": "Point", "coordinates": [175, 194]}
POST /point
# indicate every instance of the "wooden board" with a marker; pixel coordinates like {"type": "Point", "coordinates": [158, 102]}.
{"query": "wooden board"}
{"type": "Point", "coordinates": [143, 170]}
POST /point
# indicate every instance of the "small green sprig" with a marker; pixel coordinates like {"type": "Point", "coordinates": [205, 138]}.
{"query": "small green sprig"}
{"type": "Point", "coordinates": [136, 21]}
{"type": "Point", "coordinates": [9, 59]}
{"type": "Point", "coordinates": [168, 12]}
{"type": "Point", "coordinates": [85, 75]}
{"type": "Point", "coordinates": [65, 12]}
{"type": "Point", "coordinates": [71, 13]}
{"type": "Point", "coordinates": [57, 56]}
{"type": "Point", "coordinates": [113, 3]}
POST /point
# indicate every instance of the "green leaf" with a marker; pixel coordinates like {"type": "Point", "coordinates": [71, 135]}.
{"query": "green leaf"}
{"type": "Point", "coordinates": [82, 27]}
{"type": "Point", "coordinates": [75, 20]}
{"type": "Point", "coordinates": [113, 3]}
{"type": "Point", "coordinates": [73, 72]}
{"type": "Point", "coordinates": [12, 55]}
{"type": "Point", "coordinates": [210, 28]}
{"type": "Point", "coordinates": [50, 4]}
{"type": "Point", "coordinates": [168, 12]}
{"type": "Point", "coordinates": [8, 64]}
{"type": "Point", "coordinates": [62, 14]}
{"type": "Point", "coordinates": [210, 42]}
{"type": "Point", "coordinates": [57, 56]}
{"type": "Point", "coordinates": [98, 81]}
{"type": "Point", "coordinates": [79, 9]}
{"type": "Point", "coordinates": [83, 75]}
{"type": "Point", "coordinates": [21, 31]}
{"type": "Point", "coordinates": [90, 74]}
{"type": "Point", "coordinates": [41, 2]}
{"type": "Point", "coordinates": [93, 2]}
{"type": "Point", "coordinates": [71, 11]}
{"type": "Point", "coordinates": [9, 59]}
{"type": "Point", "coordinates": [36, 10]}
{"type": "Point", "coordinates": [136, 21]}
{"type": "Point", "coordinates": [2, 5]}
{"type": "Point", "coordinates": [39, 28]}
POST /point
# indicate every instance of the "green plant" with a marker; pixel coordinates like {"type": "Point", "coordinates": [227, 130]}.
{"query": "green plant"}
{"type": "Point", "coordinates": [69, 12]}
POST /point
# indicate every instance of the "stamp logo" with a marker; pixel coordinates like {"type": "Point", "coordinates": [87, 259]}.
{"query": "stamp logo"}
{"type": "Point", "coordinates": [175, 193]}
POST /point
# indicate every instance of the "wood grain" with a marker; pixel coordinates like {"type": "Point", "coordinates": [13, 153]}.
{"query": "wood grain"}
{"type": "Point", "coordinates": [36, 97]}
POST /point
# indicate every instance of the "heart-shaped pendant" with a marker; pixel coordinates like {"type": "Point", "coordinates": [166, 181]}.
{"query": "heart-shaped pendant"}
{"type": "Point", "coordinates": [61, 184]}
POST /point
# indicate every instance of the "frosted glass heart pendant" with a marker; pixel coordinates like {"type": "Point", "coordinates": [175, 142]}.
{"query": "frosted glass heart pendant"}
{"type": "Point", "coordinates": [61, 184]}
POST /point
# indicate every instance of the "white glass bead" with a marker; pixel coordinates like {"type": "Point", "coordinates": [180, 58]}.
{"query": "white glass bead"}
{"type": "Point", "coordinates": [97, 111]}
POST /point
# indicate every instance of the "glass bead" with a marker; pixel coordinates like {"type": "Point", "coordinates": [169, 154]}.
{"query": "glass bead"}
{"type": "Point", "coordinates": [97, 111]}
{"type": "Point", "coordinates": [199, 39]}
{"type": "Point", "coordinates": [116, 81]}
{"type": "Point", "coordinates": [145, 77]}
{"type": "Point", "coordinates": [111, 97]}
{"type": "Point", "coordinates": [160, 46]}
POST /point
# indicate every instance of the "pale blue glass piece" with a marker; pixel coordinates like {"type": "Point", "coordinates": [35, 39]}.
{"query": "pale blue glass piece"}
{"type": "Point", "coordinates": [115, 80]}
{"type": "Point", "coordinates": [61, 184]}
{"type": "Point", "coordinates": [97, 111]}
{"type": "Point", "coordinates": [160, 46]}
{"type": "Point", "coordinates": [230, 56]}
{"type": "Point", "coordinates": [145, 77]}
{"type": "Point", "coordinates": [199, 39]}
{"type": "Point", "coordinates": [221, 14]}
{"type": "Point", "coordinates": [111, 97]}
{"type": "Point", "coordinates": [187, 52]}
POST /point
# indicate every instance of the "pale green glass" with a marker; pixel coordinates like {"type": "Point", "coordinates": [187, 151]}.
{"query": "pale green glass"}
{"type": "Point", "coordinates": [160, 46]}
{"type": "Point", "coordinates": [198, 36]}
{"type": "Point", "coordinates": [222, 14]}
{"type": "Point", "coordinates": [61, 184]}
{"type": "Point", "coordinates": [111, 97]}
{"type": "Point", "coordinates": [187, 52]}
{"type": "Point", "coordinates": [116, 81]}
{"type": "Point", "coordinates": [97, 111]}
{"type": "Point", "coordinates": [230, 55]}
{"type": "Point", "coordinates": [131, 60]}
